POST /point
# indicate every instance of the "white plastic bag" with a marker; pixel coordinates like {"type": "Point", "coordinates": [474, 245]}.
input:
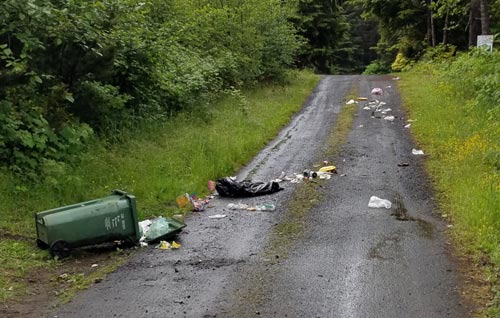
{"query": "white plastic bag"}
{"type": "Point", "coordinates": [376, 202]}
{"type": "Point", "coordinates": [417, 152]}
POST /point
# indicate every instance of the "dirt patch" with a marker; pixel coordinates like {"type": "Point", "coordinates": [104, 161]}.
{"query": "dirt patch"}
{"type": "Point", "coordinates": [56, 283]}
{"type": "Point", "coordinates": [9, 236]}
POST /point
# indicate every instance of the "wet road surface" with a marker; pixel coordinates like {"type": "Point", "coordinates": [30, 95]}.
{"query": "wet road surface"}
{"type": "Point", "coordinates": [349, 261]}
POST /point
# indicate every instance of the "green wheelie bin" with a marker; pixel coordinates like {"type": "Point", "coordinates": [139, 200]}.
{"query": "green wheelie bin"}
{"type": "Point", "coordinates": [93, 222]}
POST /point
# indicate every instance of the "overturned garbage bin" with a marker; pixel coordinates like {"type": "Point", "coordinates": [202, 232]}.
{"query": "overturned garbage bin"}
{"type": "Point", "coordinates": [93, 222]}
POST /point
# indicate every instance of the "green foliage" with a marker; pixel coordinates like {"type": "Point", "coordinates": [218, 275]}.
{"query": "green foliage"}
{"type": "Point", "coordinates": [111, 65]}
{"type": "Point", "coordinates": [475, 77]}
{"type": "Point", "coordinates": [376, 67]}
{"type": "Point", "coordinates": [400, 63]}
{"type": "Point", "coordinates": [439, 54]}
{"type": "Point", "coordinates": [338, 40]}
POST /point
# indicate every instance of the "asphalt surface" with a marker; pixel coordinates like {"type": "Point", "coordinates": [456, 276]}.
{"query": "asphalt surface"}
{"type": "Point", "coordinates": [349, 261]}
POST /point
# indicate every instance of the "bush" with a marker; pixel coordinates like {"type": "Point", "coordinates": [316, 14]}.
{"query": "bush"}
{"type": "Point", "coordinates": [475, 77]}
{"type": "Point", "coordinates": [376, 67]}
{"type": "Point", "coordinates": [74, 67]}
{"type": "Point", "coordinates": [400, 63]}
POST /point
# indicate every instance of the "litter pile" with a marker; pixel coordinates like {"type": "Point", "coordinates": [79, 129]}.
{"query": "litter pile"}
{"type": "Point", "coordinates": [196, 204]}
{"type": "Point", "coordinates": [376, 106]}
{"type": "Point", "coordinates": [230, 187]}
{"type": "Point", "coordinates": [158, 229]}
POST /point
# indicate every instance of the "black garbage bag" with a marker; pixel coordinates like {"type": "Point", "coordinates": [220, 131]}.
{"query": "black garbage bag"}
{"type": "Point", "coordinates": [228, 187]}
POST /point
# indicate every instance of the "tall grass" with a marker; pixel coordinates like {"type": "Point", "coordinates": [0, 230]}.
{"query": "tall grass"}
{"type": "Point", "coordinates": [159, 163]}
{"type": "Point", "coordinates": [461, 135]}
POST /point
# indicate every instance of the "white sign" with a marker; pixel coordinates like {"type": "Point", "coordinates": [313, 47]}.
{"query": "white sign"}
{"type": "Point", "coordinates": [485, 41]}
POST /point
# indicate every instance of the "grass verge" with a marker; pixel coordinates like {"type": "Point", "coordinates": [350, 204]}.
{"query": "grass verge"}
{"type": "Point", "coordinates": [462, 146]}
{"type": "Point", "coordinates": [156, 165]}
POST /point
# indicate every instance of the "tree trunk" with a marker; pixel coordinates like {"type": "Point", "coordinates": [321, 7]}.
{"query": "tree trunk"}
{"type": "Point", "coordinates": [429, 32]}
{"type": "Point", "coordinates": [445, 28]}
{"type": "Point", "coordinates": [474, 22]}
{"type": "Point", "coordinates": [433, 29]}
{"type": "Point", "coordinates": [485, 17]}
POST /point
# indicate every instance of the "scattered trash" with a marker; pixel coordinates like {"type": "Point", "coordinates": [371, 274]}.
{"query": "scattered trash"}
{"type": "Point", "coordinates": [239, 206]}
{"type": "Point", "coordinates": [281, 178]}
{"type": "Point", "coordinates": [229, 187]}
{"type": "Point", "coordinates": [362, 98]}
{"type": "Point", "coordinates": [325, 175]}
{"type": "Point", "coordinates": [198, 205]}
{"type": "Point", "coordinates": [331, 169]}
{"type": "Point", "coordinates": [175, 245]}
{"type": "Point", "coordinates": [310, 174]}
{"type": "Point", "coordinates": [417, 152]}
{"type": "Point", "coordinates": [388, 86]}
{"type": "Point", "coordinates": [217, 216]}
{"type": "Point", "coordinates": [211, 185]}
{"type": "Point", "coordinates": [266, 207]}
{"type": "Point", "coordinates": [376, 202]}
{"type": "Point", "coordinates": [143, 244]}
{"type": "Point", "coordinates": [63, 276]}
{"type": "Point", "coordinates": [389, 118]}
{"type": "Point", "coordinates": [352, 101]}
{"type": "Point", "coordinates": [182, 201]}
{"type": "Point", "coordinates": [408, 126]}
{"type": "Point", "coordinates": [94, 265]}
{"type": "Point", "coordinates": [325, 162]}
{"type": "Point", "coordinates": [343, 175]}
{"type": "Point", "coordinates": [159, 228]}
{"type": "Point", "coordinates": [366, 108]}
{"type": "Point", "coordinates": [361, 126]}
{"type": "Point", "coordinates": [144, 226]}
{"type": "Point", "coordinates": [387, 110]}
{"type": "Point", "coordinates": [411, 120]}
{"type": "Point", "coordinates": [377, 91]}
{"type": "Point", "coordinates": [403, 164]}
{"type": "Point", "coordinates": [397, 78]}
{"type": "Point", "coordinates": [298, 178]}
{"type": "Point", "coordinates": [164, 245]}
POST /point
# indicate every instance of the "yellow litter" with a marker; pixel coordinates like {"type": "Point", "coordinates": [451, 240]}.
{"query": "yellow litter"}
{"type": "Point", "coordinates": [328, 169]}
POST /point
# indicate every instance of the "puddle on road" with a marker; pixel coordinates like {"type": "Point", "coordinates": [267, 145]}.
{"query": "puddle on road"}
{"type": "Point", "coordinates": [401, 214]}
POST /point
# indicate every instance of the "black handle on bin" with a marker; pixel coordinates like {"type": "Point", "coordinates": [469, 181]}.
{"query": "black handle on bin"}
{"type": "Point", "coordinates": [119, 192]}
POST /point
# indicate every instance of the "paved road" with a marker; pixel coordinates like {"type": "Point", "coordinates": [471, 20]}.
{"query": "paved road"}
{"type": "Point", "coordinates": [349, 261]}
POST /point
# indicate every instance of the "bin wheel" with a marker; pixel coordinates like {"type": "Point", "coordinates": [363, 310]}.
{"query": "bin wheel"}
{"type": "Point", "coordinates": [41, 244]}
{"type": "Point", "coordinates": [60, 248]}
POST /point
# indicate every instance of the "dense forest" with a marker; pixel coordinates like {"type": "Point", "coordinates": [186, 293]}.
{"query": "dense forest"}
{"type": "Point", "coordinates": [71, 70]}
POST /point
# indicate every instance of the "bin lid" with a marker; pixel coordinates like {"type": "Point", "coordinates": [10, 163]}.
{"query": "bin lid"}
{"type": "Point", "coordinates": [162, 228]}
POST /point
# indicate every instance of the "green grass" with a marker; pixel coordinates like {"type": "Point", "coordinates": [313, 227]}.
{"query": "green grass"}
{"type": "Point", "coordinates": [462, 144]}
{"type": "Point", "coordinates": [156, 164]}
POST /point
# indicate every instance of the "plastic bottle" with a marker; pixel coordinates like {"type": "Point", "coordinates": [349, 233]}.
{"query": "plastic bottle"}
{"type": "Point", "coordinates": [266, 207]}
